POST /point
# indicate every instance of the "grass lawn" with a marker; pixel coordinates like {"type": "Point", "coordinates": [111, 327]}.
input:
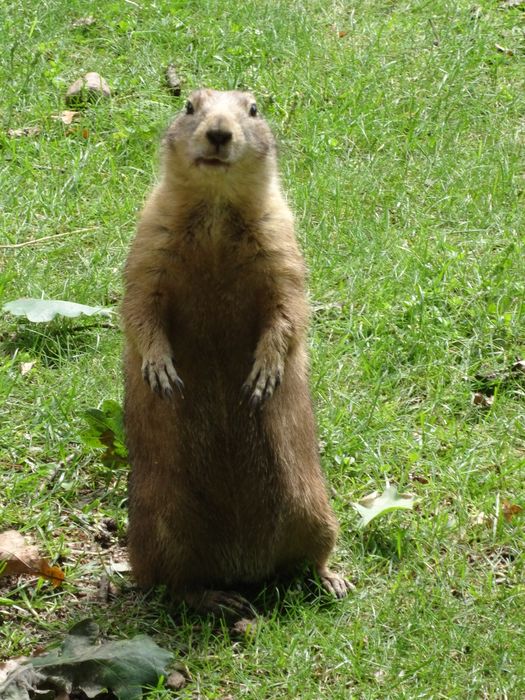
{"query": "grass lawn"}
{"type": "Point", "coordinates": [401, 149]}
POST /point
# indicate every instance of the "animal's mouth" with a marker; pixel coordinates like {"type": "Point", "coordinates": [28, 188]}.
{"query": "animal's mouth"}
{"type": "Point", "coordinates": [212, 162]}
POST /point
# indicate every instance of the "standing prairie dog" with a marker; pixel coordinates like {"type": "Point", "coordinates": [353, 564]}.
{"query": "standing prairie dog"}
{"type": "Point", "coordinates": [226, 486]}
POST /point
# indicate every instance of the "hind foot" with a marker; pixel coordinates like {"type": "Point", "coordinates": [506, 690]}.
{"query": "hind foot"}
{"type": "Point", "coordinates": [227, 604]}
{"type": "Point", "coordinates": [335, 584]}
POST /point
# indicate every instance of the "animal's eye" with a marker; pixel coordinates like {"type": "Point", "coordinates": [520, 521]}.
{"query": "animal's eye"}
{"type": "Point", "coordinates": [253, 110]}
{"type": "Point", "coordinates": [189, 108]}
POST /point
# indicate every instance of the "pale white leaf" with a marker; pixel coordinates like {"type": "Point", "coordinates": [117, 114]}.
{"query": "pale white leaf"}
{"type": "Point", "coordinates": [42, 310]}
{"type": "Point", "coordinates": [377, 504]}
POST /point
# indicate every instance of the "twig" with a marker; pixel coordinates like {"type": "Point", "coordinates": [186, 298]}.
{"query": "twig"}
{"type": "Point", "coordinates": [47, 238]}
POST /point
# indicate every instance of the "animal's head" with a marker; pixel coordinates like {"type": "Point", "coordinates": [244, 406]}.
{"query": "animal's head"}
{"type": "Point", "coordinates": [219, 135]}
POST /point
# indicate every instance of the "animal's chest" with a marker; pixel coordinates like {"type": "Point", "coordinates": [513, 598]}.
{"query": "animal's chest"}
{"type": "Point", "coordinates": [218, 292]}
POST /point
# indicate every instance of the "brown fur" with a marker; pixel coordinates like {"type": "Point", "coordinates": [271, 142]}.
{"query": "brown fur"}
{"type": "Point", "coordinates": [226, 485]}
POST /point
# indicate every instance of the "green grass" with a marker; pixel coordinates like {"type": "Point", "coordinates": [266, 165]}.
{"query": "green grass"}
{"type": "Point", "coordinates": [402, 155]}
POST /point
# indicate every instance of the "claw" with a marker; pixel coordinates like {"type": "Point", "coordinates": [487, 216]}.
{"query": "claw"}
{"type": "Point", "coordinates": [335, 584]}
{"type": "Point", "coordinates": [261, 384]}
{"type": "Point", "coordinates": [255, 402]}
{"type": "Point", "coordinates": [222, 603]}
{"type": "Point", "coordinates": [180, 386]}
{"type": "Point", "coordinates": [161, 375]}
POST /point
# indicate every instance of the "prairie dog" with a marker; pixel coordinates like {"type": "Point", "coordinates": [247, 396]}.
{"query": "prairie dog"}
{"type": "Point", "coordinates": [226, 486]}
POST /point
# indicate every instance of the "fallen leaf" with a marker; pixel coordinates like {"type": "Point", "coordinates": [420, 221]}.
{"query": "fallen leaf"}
{"type": "Point", "coordinates": [26, 367]}
{"type": "Point", "coordinates": [175, 681]}
{"type": "Point", "coordinates": [85, 133]}
{"type": "Point", "coordinates": [377, 504]}
{"type": "Point", "coordinates": [509, 510]}
{"type": "Point", "coordinates": [42, 310]}
{"type": "Point", "coordinates": [507, 4]}
{"type": "Point", "coordinates": [66, 117]}
{"type": "Point", "coordinates": [52, 573]}
{"type": "Point", "coordinates": [24, 131]}
{"type": "Point", "coordinates": [123, 667]}
{"type": "Point", "coordinates": [482, 400]}
{"type": "Point", "coordinates": [7, 667]}
{"type": "Point", "coordinates": [119, 567]}
{"type": "Point", "coordinates": [419, 478]}
{"type": "Point", "coordinates": [89, 88]}
{"type": "Point", "coordinates": [19, 557]}
{"type": "Point", "coordinates": [173, 81]}
{"type": "Point", "coordinates": [342, 34]}
{"type": "Point", "coordinates": [518, 366]}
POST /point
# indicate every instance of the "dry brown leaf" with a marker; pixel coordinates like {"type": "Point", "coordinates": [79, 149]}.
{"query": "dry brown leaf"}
{"type": "Point", "coordinates": [26, 367]}
{"type": "Point", "coordinates": [173, 81]}
{"type": "Point", "coordinates": [509, 510]}
{"type": "Point", "coordinates": [10, 665]}
{"type": "Point", "coordinates": [175, 681]}
{"type": "Point", "coordinates": [89, 88]}
{"type": "Point", "coordinates": [419, 478]}
{"type": "Point", "coordinates": [24, 131]}
{"type": "Point", "coordinates": [53, 573]}
{"type": "Point", "coordinates": [19, 557]}
{"type": "Point", "coordinates": [66, 117]}
{"type": "Point", "coordinates": [85, 133]}
{"type": "Point", "coordinates": [342, 34]}
{"type": "Point", "coordinates": [482, 400]}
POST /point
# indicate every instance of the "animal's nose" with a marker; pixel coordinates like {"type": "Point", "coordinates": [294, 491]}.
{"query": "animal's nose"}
{"type": "Point", "coordinates": [218, 137]}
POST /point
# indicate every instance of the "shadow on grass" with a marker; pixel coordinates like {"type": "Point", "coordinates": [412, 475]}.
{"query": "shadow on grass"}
{"type": "Point", "coordinates": [392, 546]}
{"type": "Point", "coordinates": [56, 342]}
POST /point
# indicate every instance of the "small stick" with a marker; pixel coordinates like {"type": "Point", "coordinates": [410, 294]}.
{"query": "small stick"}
{"type": "Point", "coordinates": [47, 238]}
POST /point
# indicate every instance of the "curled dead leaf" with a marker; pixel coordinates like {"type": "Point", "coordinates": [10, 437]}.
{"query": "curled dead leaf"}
{"type": "Point", "coordinates": [89, 88]}
{"type": "Point", "coordinates": [19, 557]}
{"type": "Point", "coordinates": [52, 573]}
{"type": "Point", "coordinates": [509, 510]}
{"type": "Point", "coordinates": [482, 400]}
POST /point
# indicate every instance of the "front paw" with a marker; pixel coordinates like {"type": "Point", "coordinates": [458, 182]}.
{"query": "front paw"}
{"type": "Point", "coordinates": [161, 375]}
{"type": "Point", "coordinates": [263, 380]}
